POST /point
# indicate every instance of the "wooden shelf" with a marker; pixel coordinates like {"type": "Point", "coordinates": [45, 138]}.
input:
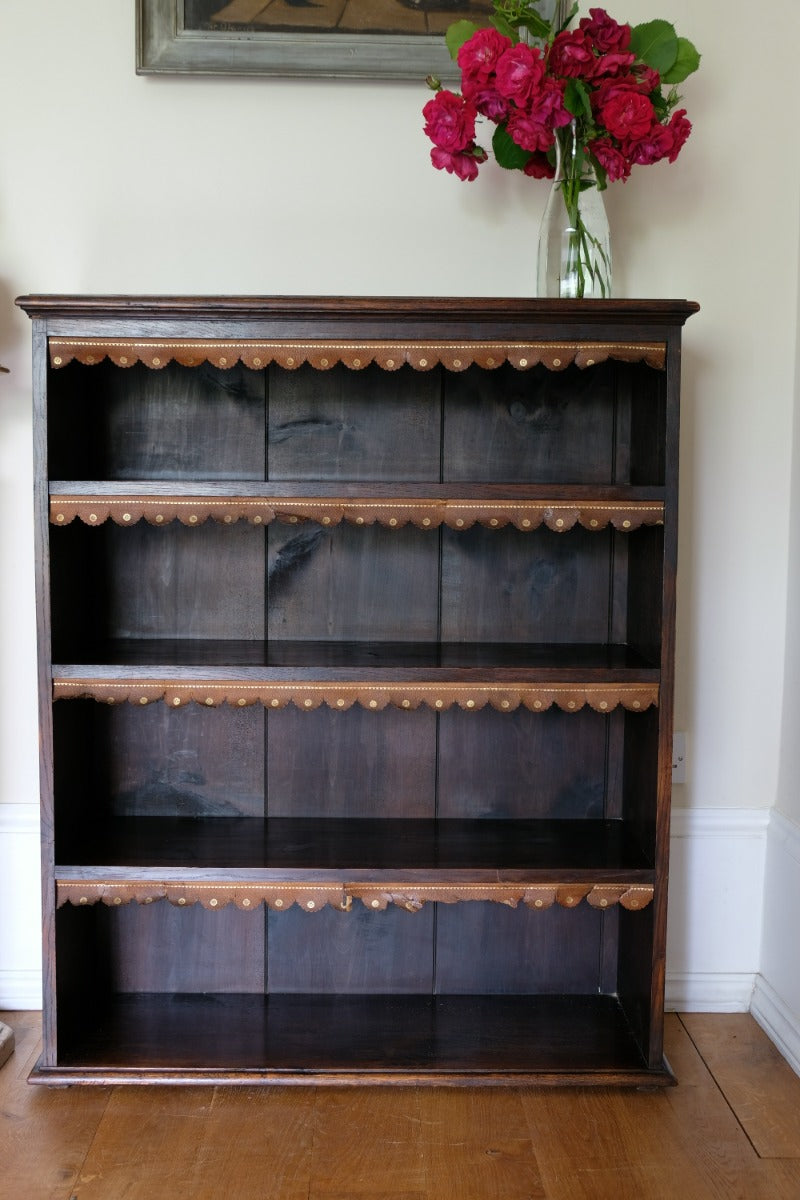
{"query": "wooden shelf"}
{"type": "Point", "coordinates": [354, 1039]}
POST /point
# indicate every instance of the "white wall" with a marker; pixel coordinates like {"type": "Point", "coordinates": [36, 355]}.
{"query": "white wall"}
{"type": "Point", "coordinates": [109, 182]}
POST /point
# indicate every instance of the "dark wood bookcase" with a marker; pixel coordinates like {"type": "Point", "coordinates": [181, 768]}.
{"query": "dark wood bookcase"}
{"type": "Point", "coordinates": [356, 664]}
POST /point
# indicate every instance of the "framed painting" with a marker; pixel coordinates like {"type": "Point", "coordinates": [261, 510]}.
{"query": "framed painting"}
{"type": "Point", "coordinates": [393, 39]}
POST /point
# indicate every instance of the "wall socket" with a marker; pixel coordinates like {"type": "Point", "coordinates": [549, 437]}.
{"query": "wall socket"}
{"type": "Point", "coordinates": [679, 757]}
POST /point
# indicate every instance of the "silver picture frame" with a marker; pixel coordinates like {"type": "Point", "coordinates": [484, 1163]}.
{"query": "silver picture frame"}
{"type": "Point", "coordinates": [167, 44]}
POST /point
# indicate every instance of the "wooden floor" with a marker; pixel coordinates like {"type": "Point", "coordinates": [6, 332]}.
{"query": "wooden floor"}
{"type": "Point", "coordinates": [730, 1130]}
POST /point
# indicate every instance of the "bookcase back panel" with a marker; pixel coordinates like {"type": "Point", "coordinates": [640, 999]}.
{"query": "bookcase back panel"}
{"type": "Point", "coordinates": [550, 764]}
{"type": "Point", "coordinates": [174, 423]}
{"type": "Point", "coordinates": [161, 948]}
{"type": "Point", "coordinates": [351, 764]}
{"type": "Point", "coordinates": [357, 951]}
{"type": "Point", "coordinates": [146, 582]}
{"type": "Point", "coordinates": [354, 425]}
{"type": "Point", "coordinates": [155, 761]}
{"type": "Point", "coordinates": [377, 584]}
{"type": "Point", "coordinates": [516, 950]}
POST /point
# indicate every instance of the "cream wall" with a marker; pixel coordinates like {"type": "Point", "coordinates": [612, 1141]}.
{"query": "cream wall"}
{"type": "Point", "coordinates": [109, 182]}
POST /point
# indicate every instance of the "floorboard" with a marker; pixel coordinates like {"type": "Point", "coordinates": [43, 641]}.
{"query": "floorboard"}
{"type": "Point", "coordinates": [729, 1131]}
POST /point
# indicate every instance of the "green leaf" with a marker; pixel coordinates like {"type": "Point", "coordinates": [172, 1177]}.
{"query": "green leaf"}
{"type": "Point", "coordinates": [536, 25]}
{"type": "Point", "coordinates": [573, 12]}
{"type": "Point", "coordinates": [502, 26]}
{"type": "Point", "coordinates": [507, 152]}
{"type": "Point", "coordinates": [458, 33]}
{"type": "Point", "coordinates": [656, 44]}
{"type": "Point", "coordinates": [685, 64]}
{"type": "Point", "coordinates": [576, 99]}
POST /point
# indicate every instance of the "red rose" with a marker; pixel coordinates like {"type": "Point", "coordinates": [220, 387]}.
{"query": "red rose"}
{"type": "Point", "coordinates": [539, 166]}
{"type": "Point", "coordinates": [488, 102]}
{"type": "Point", "coordinates": [519, 73]}
{"type": "Point", "coordinates": [680, 128]}
{"type": "Point", "coordinates": [478, 57]}
{"type": "Point", "coordinates": [571, 57]}
{"type": "Point", "coordinates": [612, 160]}
{"type": "Point", "coordinates": [614, 63]}
{"type": "Point", "coordinates": [528, 132]}
{"type": "Point", "coordinates": [604, 31]}
{"type": "Point", "coordinates": [627, 114]}
{"type": "Point", "coordinates": [464, 165]}
{"type": "Point", "coordinates": [449, 121]}
{"type": "Point", "coordinates": [652, 147]}
{"type": "Point", "coordinates": [646, 78]}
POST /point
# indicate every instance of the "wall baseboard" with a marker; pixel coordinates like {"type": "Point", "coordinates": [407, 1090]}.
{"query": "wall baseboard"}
{"type": "Point", "coordinates": [20, 990]}
{"type": "Point", "coordinates": [699, 991]}
{"type": "Point", "coordinates": [778, 1022]}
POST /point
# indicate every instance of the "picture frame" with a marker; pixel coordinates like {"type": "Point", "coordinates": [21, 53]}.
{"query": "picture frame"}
{"type": "Point", "coordinates": [168, 43]}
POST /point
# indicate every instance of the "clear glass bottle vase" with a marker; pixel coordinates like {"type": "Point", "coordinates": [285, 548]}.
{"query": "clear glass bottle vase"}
{"type": "Point", "coordinates": [574, 260]}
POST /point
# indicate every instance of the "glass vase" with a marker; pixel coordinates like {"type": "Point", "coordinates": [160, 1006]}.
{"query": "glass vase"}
{"type": "Point", "coordinates": [574, 259]}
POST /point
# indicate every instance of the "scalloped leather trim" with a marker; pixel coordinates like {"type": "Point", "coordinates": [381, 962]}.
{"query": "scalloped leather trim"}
{"type": "Point", "coordinates": [425, 514]}
{"type": "Point", "coordinates": [322, 355]}
{"type": "Point", "coordinates": [602, 697]}
{"type": "Point", "coordinates": [312, 897]}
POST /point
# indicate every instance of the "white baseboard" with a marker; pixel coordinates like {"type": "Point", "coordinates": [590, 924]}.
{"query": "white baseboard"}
{"type": "Point", "coordinates": [778, 1022]}
{"type": "Point", "coordinates": [20, 990]}
{"type": "Point", "coordinates": [699, 991]}
{"type": "Point", "coordinates": [20, 922]}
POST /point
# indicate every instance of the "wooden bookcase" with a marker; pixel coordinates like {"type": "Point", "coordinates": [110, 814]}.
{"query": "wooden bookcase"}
{"type": "Point", "coordinates": [356, 661]}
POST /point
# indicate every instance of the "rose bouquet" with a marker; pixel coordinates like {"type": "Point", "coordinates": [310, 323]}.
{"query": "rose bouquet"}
{"type": "Point", "coordinates": [589, 102]}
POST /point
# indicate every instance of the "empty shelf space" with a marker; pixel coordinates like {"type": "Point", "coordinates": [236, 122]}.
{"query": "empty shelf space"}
{"type": "Point", "coordinates": [324, 1038]}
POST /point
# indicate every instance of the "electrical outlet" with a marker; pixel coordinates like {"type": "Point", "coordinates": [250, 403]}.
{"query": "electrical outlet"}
{"type": "Point", "coordinates": [679, 758]}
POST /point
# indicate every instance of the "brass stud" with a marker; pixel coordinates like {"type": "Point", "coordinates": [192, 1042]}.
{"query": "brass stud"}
{"type": "Point", "coordinates": [604, 903]}
{"type": "Point", "coordinates": [278, 903]}
{"type": "Point", "coordinates": [241, 702]}
{"type": "Point", "coordinates": [93, 517]}
{"type": "Point", "coordinates": [570, 900]}
{"type": "Point", "coordinates": [406, 704]}
{"type": "Point", "coordinates": [526, 524]}
{"type": "Point", "coordinates": [290, 361]}
{"type": "Point", "coordinates": [505, 703]}
{"type": "Point", "coordinates": [148, 900]}
{"type": "Point", "coordinates": [494, 521]}
{"type": "Point", "coordinates": [245, 903]}
{"type": "Point", "coordinates": [292, 520]}
{"type": "Point", "coordinates": [440, 703]}
{"type": "Point", "coordinates": [359, 520]}
{"type": "Point", "coordinates": [373, 703]}
{"type": "Point", "coordinates": [257, 519]}
{"type": "Point", "coordinates": [193, 519]}
{"type": "Point", "coordinates": [181, 900]}
{"type": "Point", "coordinates": [126, 516]}
{"type": "Point", "coordinates": [58, 360]}
{"type": "Point", "coordinates": [490, 361]}
{"type": "Point", "coordinates": [123, 358]}
{"type": "Point", "coordinates": [426, 520]}
{"type": "Point", "coordinates": [556, 362]}
{"type": "Point", "coordinates": [456, 363]}
{"type": "Point", "coordinates": [311, 904]}
{"type": "Point", "coordinates": [156, 362]}
{"type": "Point", "coordinates": [340, 703]}
{"type": "Point", "coordinates": [392, 520]}
{"type": "Point", "coordinates": [59, 517]}
{"type": "Point", "coordinates": [423, 362]}
{"type": "Point", "coordinates": [604, 704]}
{"type": "Point", "coordinates": [111, 699]}
{"type": "Point", "coordinates": [176, 701]}
{"type": "Point", "coordinates": [560, 523]}
{"type": "Point", "coordinates": [90, 358]}
{"type": "Point", "coordinates": [593, 523]}
{"type": "Point", "coordinates": [470, 704]}
{"type": "Point", "coordinates": [209, 700]}
{"type": "Point", "coordinates": [537, 704]}
{"type": "Point", "coordinates": [223, 362]}
{"type": "Point", "coordinates": [590, 362]}
{"type": "Point", "coordinates": [227, 518]}
{"type": "Point", "coordinates": [84, 900]}
{"type": "Point", "coordinates": [159, 518]}
{"type": "Point", "coordinates": [633, 903]}
{"type": "Point", "coordinates": [571, 704]}
{"type": "Point", "coordinates": [323, 362]}
{"type": "Point", "coordinates": [213, 902]}
{"type": "Point", "coordinates": [626, 524]}
{"type": "Point", "coordinates": [326, 520]}
{"type": "Point", "coordinates": [523, 362]}
{"type": "Point", "coordinates": [459, 522]}
{"type": "Point", "coordinates": [274, 702]}
{"type": "Point", "coordinates": [538, 903]}
{"type": "Point", "coordinates": [637, 704]}
{"type": "Point", "coordinates": [143, 699]}
{"type": "Point", "coordinates": [390, 362]}
{"type": "Point", "coordinates": [308, 703]}
{"type": "Point", "coordinates": [356, 362]}
{"type": "Point", "coordinates": [256, 362]}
